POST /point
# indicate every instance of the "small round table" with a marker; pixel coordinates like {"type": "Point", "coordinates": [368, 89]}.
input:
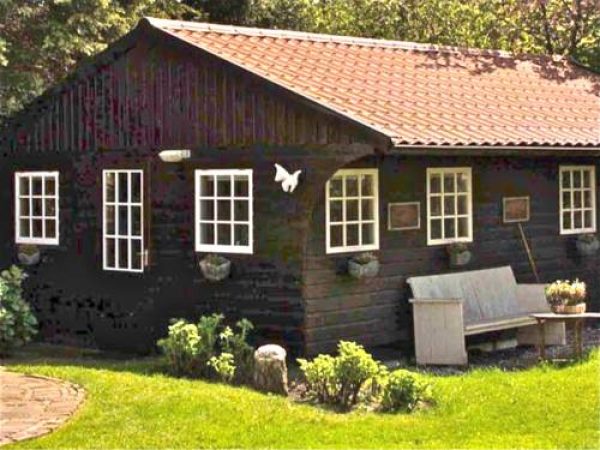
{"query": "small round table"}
{"type": "Point", "coordinates": [577, 321]}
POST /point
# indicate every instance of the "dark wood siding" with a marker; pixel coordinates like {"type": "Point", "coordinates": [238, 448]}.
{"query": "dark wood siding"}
{"type": "Point", "coordinates": [377, 311]}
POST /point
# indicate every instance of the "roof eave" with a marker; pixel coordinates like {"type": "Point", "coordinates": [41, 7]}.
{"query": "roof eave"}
{"type": "Point", "coordinates": [496, 150]}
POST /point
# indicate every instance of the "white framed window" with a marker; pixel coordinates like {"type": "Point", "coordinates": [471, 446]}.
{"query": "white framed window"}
{"type": "Point", "coordinates": [224, 210]}
{"type": "Point", "coordinates": [449, 205]}
{"type": "Point", "coordinates": [352, 211]}
{"type": "Point", "coordinates": [36, 208]}
{"type": "Point", "coordinates": [123, 220]}
{"type": "Point", "coordinates": [577, 199]}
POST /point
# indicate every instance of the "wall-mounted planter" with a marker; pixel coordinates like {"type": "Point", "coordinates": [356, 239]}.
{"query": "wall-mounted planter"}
{"type": "Point", "coordinates": [363, 266]}
{"type": "Point", "coordinates": [459, 255]}
{"type": "Point", "coordinates": [587, 244]}
{"type": "Point", "coordinates": [215, 267]}
{"type": "Point", "coordinates": [28, 255]}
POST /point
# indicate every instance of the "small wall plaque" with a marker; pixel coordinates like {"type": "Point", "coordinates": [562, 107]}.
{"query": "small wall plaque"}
{"type": "Point", "coordinates": [404, 216]}
{"type": "Point", "coordinates": [516, 209]}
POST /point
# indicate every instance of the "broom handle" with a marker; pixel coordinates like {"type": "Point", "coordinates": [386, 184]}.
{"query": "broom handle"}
{"type": "Point", "coordinates": [529, 254]}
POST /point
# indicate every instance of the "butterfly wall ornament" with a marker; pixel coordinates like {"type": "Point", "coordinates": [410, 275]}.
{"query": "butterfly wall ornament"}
{"type": "Point", "coordinates": [288, 181]}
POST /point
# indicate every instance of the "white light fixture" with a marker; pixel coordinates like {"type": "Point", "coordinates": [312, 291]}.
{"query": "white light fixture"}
{"type": "Point", "coordinates": [173, 156]}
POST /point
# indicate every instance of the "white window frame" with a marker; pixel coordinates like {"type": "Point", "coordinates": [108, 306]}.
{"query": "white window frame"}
{"type": "Point", "coordinates": [443, 171]}
{"type": "Point", "coordinates": [221, 248]}
{"type": "Point", "coordinates": [129, 236]}
{"type": "Point", "coordinates": [18, 215]}
{"type": "Point", "coordinates": [570, 169]}
{"type": "Point", "coordinates": [353, 248]}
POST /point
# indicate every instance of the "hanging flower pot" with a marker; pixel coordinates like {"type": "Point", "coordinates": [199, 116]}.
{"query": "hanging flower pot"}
{"type": "Point", "coordinates": [565, 297]}
{"type": "Point", "coordinates": [587, 244]}
{"type": "Point", "coordinates": [28, 255]}
{"type": "Point", "coordinates": [215, 267]}
{"type": "Point", "coordinates": [365, 265]}
{"type": "Point", "coordinates": [459, 254]}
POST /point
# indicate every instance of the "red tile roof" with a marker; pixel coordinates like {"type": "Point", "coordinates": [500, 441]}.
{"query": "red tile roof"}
{"type": "Point", "coordinates": [418, 94]}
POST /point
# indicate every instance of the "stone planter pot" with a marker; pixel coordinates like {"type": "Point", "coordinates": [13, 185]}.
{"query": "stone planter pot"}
{"type": "Point", "coordinates": [215, 272]}
{"type": "Point", "coordinates": [29, 258]}
{"type": "Point", "coordinates": [358, 271]}
{"type": "Point", "coordinates": [460, 259]}
{"type": "Point", "coordinates": [587, 248]}
{"type": "Point", "coordinates": [579, 308]}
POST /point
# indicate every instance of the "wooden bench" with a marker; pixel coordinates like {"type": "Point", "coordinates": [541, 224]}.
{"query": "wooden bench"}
{"type": "Point", "coordinates": [447, 308]}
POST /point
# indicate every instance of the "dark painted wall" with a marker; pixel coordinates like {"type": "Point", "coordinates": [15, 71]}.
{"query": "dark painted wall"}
{"type": "Point", "coordinates": [377, 311]}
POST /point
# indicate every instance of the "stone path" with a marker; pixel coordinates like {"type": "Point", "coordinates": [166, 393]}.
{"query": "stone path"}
{"type": "Point", "coordinates": [32, 406]}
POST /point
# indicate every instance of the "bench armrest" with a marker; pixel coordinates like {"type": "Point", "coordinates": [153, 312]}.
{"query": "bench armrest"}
{"type": "Point", "coordinates": [435, 300]}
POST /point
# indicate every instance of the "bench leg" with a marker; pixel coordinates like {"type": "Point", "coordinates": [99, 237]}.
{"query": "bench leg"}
{"type": "Point", "coordinates": [555, 334]}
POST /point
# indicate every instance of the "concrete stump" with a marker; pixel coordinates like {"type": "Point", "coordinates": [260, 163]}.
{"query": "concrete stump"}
{"type": "Point", "coordinates": [270, 370]}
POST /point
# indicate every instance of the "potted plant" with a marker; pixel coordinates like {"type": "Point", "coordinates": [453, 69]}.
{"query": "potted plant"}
{"type": "Point", "coordinates": [459, 253]}
{"type": "Point", "coordinates": [28, 254]}
{"type": "Point", "coordinates": [365, 265]}
{"type": "Point", "coordinates": [587, 244]}
{"type": "Point", "coordinates": [565, 297]}
{"type": "Point", "coordinates": [215, 267]}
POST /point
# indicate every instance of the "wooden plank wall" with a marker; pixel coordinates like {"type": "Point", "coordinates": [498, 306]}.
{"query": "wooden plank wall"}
{"type": "Point", "coordinates": [377, 311]}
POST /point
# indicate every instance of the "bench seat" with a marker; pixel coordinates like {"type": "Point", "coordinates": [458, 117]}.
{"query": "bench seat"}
{"type": "Point", "coordinates": [498, 324]}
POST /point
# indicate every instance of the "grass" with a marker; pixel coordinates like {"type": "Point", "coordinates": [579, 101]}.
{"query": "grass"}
{"type": "Point", "coordinates": [129, 405]}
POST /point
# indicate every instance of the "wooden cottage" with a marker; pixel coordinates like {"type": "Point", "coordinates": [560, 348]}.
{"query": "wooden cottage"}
{"type": "Point", "coordinates": [161, 150]}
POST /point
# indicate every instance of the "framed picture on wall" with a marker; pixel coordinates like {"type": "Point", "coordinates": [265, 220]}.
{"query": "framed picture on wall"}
{"type": "Point", "coordinates": [404, 216]}
{"type": "Point", "coordinates": [516, 209]}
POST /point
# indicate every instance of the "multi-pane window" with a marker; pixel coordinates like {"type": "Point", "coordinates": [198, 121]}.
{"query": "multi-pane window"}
{"type": "Point", "coordinates": [36, 208]}
{"type": "Point", "coordinates": [123, 220]}
{"type": "Point", "coordinates": [224, 210]}
{"type": "Point", "coordinates": [449, 205]}
{"type": "Point", "coordinates": [577, 199]}
{"type": "Point", "coordinates": [352, 219]}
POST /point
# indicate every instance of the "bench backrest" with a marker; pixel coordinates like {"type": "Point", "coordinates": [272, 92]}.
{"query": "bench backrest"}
{"type": "Point", "coordinates": [487, 294]}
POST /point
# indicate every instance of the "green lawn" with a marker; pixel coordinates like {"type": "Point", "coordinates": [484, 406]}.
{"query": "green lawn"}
{"type": "Point", "coordinates": [130, 406]}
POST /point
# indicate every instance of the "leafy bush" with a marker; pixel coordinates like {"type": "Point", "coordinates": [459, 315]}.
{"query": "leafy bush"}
{"type": "Point", "coordinates": [339, 380]}
{"type": "Point", "coordinates": [209, 350]}
{"type": "Point", "coordinates": [404, 391]}
{"type": "Point", "coordinates": [18, 325]}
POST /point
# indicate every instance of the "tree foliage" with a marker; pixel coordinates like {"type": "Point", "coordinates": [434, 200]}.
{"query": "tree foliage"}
{"type": "Point", "coordinates": [41, 40]}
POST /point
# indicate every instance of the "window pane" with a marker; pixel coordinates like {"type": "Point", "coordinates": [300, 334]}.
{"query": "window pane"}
{"type": "Point", "coordinates": [587, 217]}
{"type": "Point", "coordinates": [449, 205]}
{"type": "Point", "coordinates": [368, 234]}
{"type": "Point", "coordinates": [463, 227]}
{"type": "Point", "coordinates": [567, 225]}
{"type": "Point", "coordinates": [587, 179]}
{"type": "Point", "coordinates": [37, 230]}
{"type": "Point", "coordinates": [336, 236]}
{"type": "Point", "coordinates": [240, 211]}
{"type": "Point", "coordinates": [587, 199]}
{"type": "Point", "coordinates": [25, 229]}
{"type": "Point", "coordinates": [352, 235]}
{"type": "Point", "coordinates": [577, 199]}
{"type": "Point", "coordinates": [207, 186]}
{"type": "Point", "coordinates": [123, 254]}
{"type": "Point", "coordinates": [123, 221]}
{"type": "Point", "coordinates": [24, 207]}
{"type": "Point", "coordinates": [435, 186]}
{"type": "Point", "coordinates": [367, 209]}
{"type": "Point", "coordinates": [224, 210]}
{"type": "Point", "coordinates": [224, 186]}
{"type": "Point", "coordinates": [207, 233]}
{"type": "Point", "coordinates": [449, 183]}
{"type": "Point", "coordinates": [50, 187]}
{"type": "Point", "coordinates": [136, 187]}
{"type": "Point", "coordinates": [462, 182]}
{"type": "Point", "coordinates": [436, 206]}
{"type": "Point", "coordinates": [436, 229]}
{"type": "Point", "coordinates": [566, 198]}
{"type": "Point", "coordinates": [110, 220]}
{"type": "Point", "coordinates": [566, 179]}
{"type": "Point", "coordinates": [136, 254]}
{"type": "Point", "coordinates": [50, 207]}
{"type": "Point", "coordinates": [110, 253]}
{"type": "Point", "coordinates": [336, 211]}
{"type": "Point", "coordinates": [241, 235]}
{"type": "Point", "coordinates": [576, 179]}
{"type": "Point", "coordinates": [352, 210]}
{"type": "Point", "coordinates": [449, 229]}
{"type": "Point", "coordinates": [366, 186]}
{"type": "Point", "coordinates": [224, 234]}
{"type": "Point", "coordinates": [241, 186]}
{"type": "Point", "coordinates": [136, 220]}
{"type": "Point", "coordinates": [24, 185]}
{"type": "Point", "coordinates": [37, 207]}
{"type": "Point", "coordinates": [578, 220]}
{"type": "Point", "coordinates": [123, 188]}
{"type": "Point", "coordinates": [37, 185]}
{"type": "Point", "coordinates": [109, 186]}
{"type": "Point", "coordinates": [463, 207]}
{"type": "Point", "coordinates": [335, 187]}
{"type": "Point", "coordinates": [352, 186]}
{"type": "Point", "coordinates": [50, 228]}
{"type": "Point", "coordinates": [207, 209]}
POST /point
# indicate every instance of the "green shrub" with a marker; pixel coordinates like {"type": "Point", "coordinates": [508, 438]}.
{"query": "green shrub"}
{"type": "Point", "coordinates": [243, 353]}
{"type": "Point", "coordinates": [223, 366]}
{"type": "Point", "coordinates": [18, 325]}
{"type": "Point", "coordinates": [404, 391]}
{"type": "Point", "coordinates": [339, 380]}
{"type": "Point", "coordinates": [181, 347]}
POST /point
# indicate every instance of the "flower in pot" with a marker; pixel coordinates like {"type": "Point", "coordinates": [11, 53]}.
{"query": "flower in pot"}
{"type": "Point", "coordinates": [459, 253]}
{"type": "Point", "coordinates": [565, 297]}
{"type": "Point", "coordinates": [587, 244]}
{"type": "Point", "coordinates": [365, 265]}
{"type": "Point", "coordinates": [28, 254]}
{"type": "Point", "coordinates": [215, 267]}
